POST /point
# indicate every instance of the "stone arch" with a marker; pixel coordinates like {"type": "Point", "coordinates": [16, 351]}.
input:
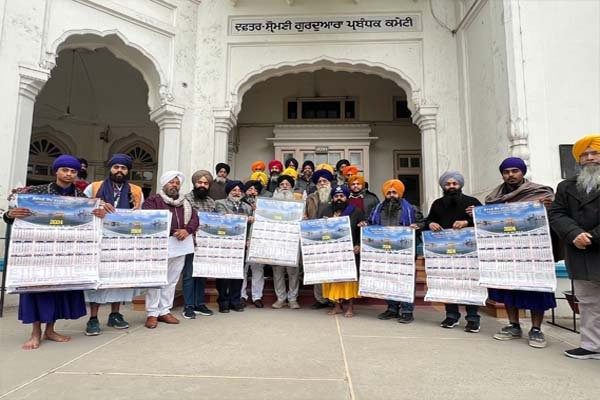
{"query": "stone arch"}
{"type": "Point", "coordinates": [413, 92]}
{"type": "Point", "coordinates": [122, 48]}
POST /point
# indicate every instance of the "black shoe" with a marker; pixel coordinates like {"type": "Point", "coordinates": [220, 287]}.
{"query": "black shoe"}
{"type": "Point", "coordinates": [319, 305]}
{"type": "Point", "coordinates": [258, 303]}
{"type": "Point", "coordinates": [188, 313]}
{"type": "Point", "coordinates": [582, 354]}
{"type": "Point", "coordinates": [243, 302]}
{"type": "Point", "coordinates": [472, 327]}
{"type": "Point", "coordinates": [203, 310]}
{"type": "Point", "coordinates": [406, 318]}
{"type": "Point", "coordinates": [449, 323]}
{"type": "Point", "coordinates": [388, 314]}
{"type": "Point", "coordinates": [223, 309]}
{"type": "Point", "coordinates": [238, 307]}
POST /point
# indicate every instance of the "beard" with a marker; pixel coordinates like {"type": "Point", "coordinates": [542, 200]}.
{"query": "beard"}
{"type": "Point", "coordinates": [235, 197]}
{"type": "Point", "coordinates": [307, 175]}
{"type": "Point", "coordinates": [338, 205]}
{"type": "Point", "coordinates": [172, 193]}
{"type": "Point", "coordinates": [324, 193]}
{"type": "Point", "coordinates": [283, 194]}
{"type": "Point", "coordinates": [391, 205]}
{"type": "Point", "coordinates": [451, 197]}
{"type": "Point", "coordinates": [250, 200]}
{"type": "Point", "coordinates": [117, 178]}
{"type": "Point", "coordinates": [588, 180]}
{"type": "Point", "coordinates": [201, 193]}
{"type": "Point", "coordinates": [220, 179]}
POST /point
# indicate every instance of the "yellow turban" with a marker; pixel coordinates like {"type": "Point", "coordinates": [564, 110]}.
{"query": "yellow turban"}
{"type": "Point", "coordinates": [258, 166]}
{"type": "Point", "coordinates": [393, 183]}
{"type": "Point", "coordinates": [354, 178]}
{"type": "Point", "coordinates": [350, 170]}
{"type": "Point", "coordinates": [289, 171]}
{"type": "Point", "coordinates": [582, 144]}
{"type": "Point", "coordinates": [325, 166]}
{"type": "Point", "coordinates": [260, 176]}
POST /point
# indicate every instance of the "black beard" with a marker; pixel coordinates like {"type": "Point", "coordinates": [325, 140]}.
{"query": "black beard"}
{"type": "Point", "coordinates": [451, 197]}
{"type": "Point", "coordinates": [200, 193]}
{"type": "Point", "coordinates": [82, 174]}
{"type": "Point", "coordinates": [117, 178]}
{"type": "Point", "coordinates": [338, 205]}
{"type": "Point", "coordinates": [392, 205]}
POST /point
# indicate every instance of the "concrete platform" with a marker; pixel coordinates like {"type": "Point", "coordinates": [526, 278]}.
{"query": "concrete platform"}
{"type": "Point", "coordinates": [291, 354]}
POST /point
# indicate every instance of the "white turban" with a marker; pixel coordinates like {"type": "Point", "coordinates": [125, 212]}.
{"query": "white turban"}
{"type": "Point", "coordinates": [169, 175]}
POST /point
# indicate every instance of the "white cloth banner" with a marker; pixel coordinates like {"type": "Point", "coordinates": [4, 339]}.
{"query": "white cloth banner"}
{"type": "Point", "coordinates": [134, 249]}
{"type": "Point", "coordinates": [514, 247]}
{"type": "Point", "coordinates": [452, 267]}
{"type": "Point", "coordinates": [327, 250]}
{"type": "Point", "coordinates": [387, 263]}
{"type": "Point", "coordinates": [275, 237]}
{"type": "Point", "coordinates": [56, 248]}
{"type": "Point", "coordinates": [220, 246]}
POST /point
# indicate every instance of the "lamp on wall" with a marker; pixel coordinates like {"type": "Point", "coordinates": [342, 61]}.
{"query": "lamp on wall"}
{"type": "Point", "coordinates": [105, 134]}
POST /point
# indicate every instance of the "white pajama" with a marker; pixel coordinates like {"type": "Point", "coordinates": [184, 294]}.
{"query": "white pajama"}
{"type": "Point", "coordinates": [258, 281]}
{"type": "Point", "coordinates": [160, 301]}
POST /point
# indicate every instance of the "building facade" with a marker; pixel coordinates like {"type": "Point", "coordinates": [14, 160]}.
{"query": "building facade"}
{"type": "Point", "coordinates": [402, 88]}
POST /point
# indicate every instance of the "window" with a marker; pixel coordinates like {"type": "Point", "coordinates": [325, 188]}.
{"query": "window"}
{"type": "Point", "coordinates": [568, 165]}
{"type": "Point", "coordinates": [407, 168]}
{"type": "Point", "coordinates": [401, 110]}
{"type": "Point", "coordinates": [42, 152]}
{"type": "Point", "coordinates": [327, 108]}
{"type": "Point", "coordinates": [144, 166]}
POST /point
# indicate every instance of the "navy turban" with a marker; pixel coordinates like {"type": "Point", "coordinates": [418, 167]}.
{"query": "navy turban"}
{"type": "Point", "coordinates": [66, 161]}
{"type": "Point", "coordinates": [321, 173]}
{"type": "Point", "coordinates": [514, 162]}
{"type": "Point", "coordinates": [340, 189]}
{"type": "Point", "coordinates": [288, 178]}
{"type": "Point", "coordinates": [120, 159]}
{"type": "Point", "coordinates": [233, 184]}
{"type": "Point", "coordinates": [255, 184]}
{"type": "Point", "coordinates": [220, 166]}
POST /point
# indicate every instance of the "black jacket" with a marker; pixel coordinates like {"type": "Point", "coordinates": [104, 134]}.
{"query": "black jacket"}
{"type": "Point", "coordinates": [446, 216]}
{"type": "Point", "coordinates": [572, 213]}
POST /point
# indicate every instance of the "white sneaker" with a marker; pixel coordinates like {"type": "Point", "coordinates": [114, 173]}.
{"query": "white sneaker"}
{"type": "Point", "coordinates": [278, 304]}
{"type": "Point", "coordinates": [294, 305]}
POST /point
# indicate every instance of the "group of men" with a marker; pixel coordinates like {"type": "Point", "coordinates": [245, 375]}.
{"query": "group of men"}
{"type": "Point", "coordinates": [327, 191]}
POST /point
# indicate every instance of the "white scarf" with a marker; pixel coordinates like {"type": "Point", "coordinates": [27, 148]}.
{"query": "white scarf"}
{"type": "Point", "coordinates": [180, 201]}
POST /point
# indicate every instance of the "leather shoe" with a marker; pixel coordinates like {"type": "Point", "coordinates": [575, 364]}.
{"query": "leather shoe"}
{"type": "Point", "coordinates": [237, 307]}
{"type": "Point", "coordinates": [223, 309]}
{"type": "Point", "coordinates": [151, 322]}
{"type": "Point", "coordinates": [168, 319]}
{"type": "Point", "coordinates": [258, 303]}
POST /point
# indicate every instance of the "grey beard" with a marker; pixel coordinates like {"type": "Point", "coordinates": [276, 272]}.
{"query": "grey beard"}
{"type": "Point", "coordinates": [220, 179]}
{"type": "Point", "coordinates": [324, 194]}
{"type": "Point", "coordinates": [283, 194]}
{"type": "Point", "coordinates": [588, 179]}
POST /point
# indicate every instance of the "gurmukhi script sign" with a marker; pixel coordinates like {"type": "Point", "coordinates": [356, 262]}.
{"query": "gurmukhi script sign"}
{"type": "Point", "coordinates": [281, 25]}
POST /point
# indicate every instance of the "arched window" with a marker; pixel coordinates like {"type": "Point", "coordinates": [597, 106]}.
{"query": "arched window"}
{"type": "Point", "coordinates": [144, 166]}
{"type": "Point", "coordinates": [42, 152]}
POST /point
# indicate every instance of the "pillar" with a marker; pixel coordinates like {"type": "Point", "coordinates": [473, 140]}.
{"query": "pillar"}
{"type": "Point", "coordinates": [426, 119]}
{"type": "Point", "coordinates": [168, 117]}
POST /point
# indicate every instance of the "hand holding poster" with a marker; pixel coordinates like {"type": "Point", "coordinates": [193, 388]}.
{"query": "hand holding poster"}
{"type": "Point", "coordinates": [134, 249]}
{"type": "Point", "coordinates": [387, 263]}
{"type": "Point", "coordinates": [275, 237]}
{"type": "Point", "coordinates": [220, 246]}
{"type": "Point", "coordinates": [514, 247]}
{"type": "Point", "coordinates": [327, 250]}
{"type": "Point", "coordinates": [57, 247]}
{"type": "Point", "coordinates": [452, 267]}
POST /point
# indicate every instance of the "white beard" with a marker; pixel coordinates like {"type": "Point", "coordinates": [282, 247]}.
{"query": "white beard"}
{"type": "Point", "coordinates": [220, 179]}
{"type": "Point", "coordinates": [324, 194]}
{"type": "Point", "coordinates": [588, 179]}
{"type": "Point", "coordinates": [283, 194]}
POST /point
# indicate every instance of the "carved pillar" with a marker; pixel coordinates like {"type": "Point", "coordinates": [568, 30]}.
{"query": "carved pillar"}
{"type": "Point", "coordinates": [168, 117]}
{"type": "Point", "coordinates": [225, 120]}
{"type": "Point", "coordinates": [426, 119]}
{"type": "Point", "coordinates": [31, 81]}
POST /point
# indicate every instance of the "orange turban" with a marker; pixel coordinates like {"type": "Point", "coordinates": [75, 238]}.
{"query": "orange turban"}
{"type": "Point", "coordinates": [350, 170]}
{"type": "Point", "coordinates": [325, 166]}
{"type": "Point", "coordinates": [393, 183]}
{"type": "Point", "coordinates": [261, 177]}
{"type": "Point", "coordinates": [258, 166]}
{"type": "Point", "coordinates": [582, 144]}
{"type": "Point", "coordinates": [354, 178]}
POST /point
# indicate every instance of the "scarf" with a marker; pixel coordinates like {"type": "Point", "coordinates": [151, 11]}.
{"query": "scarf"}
{"type": "Point", "coordinates": [528, 191]}
{"type": "Point", "coordinates": [405, 217]}
{"type": "Point", "coordinates": [180, 201]}
{"type": "Point", "coordinates": [108, 190]}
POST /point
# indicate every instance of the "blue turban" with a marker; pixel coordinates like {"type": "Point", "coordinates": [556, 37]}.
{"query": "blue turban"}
{"type": "Point", "coordinates": [66, 161]}
{"type": "Point", "coordinates": [457, 176]}
{"type": "Point", "coordinates": [340, 189]}
{"type": "Point", "coordinates": [120, 159]}
{"type": "Point", "coordinates": [514, 162]}
{"type": "Point", "coordinates": [322, 173]}
{"type": "Point", "coordinates": [233, 184]}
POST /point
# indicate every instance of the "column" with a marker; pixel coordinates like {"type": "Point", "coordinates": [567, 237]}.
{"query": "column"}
{"type": "Point", "coordinates": [225, 120]}
{"type": "Point", "coordinates": [168, 117]}
{"type": "Point", "coordinates": [31, 81]}
{"type": "Point", "coordinates": [426, 119]}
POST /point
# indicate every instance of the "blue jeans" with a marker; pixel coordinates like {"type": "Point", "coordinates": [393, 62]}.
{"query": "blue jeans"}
{"type": "Point", "coordinates": [472, 312]}
{"type": "Point", "coordinates": [193, 287]}
{"type": "Point", "coordinates": [402, 306]}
